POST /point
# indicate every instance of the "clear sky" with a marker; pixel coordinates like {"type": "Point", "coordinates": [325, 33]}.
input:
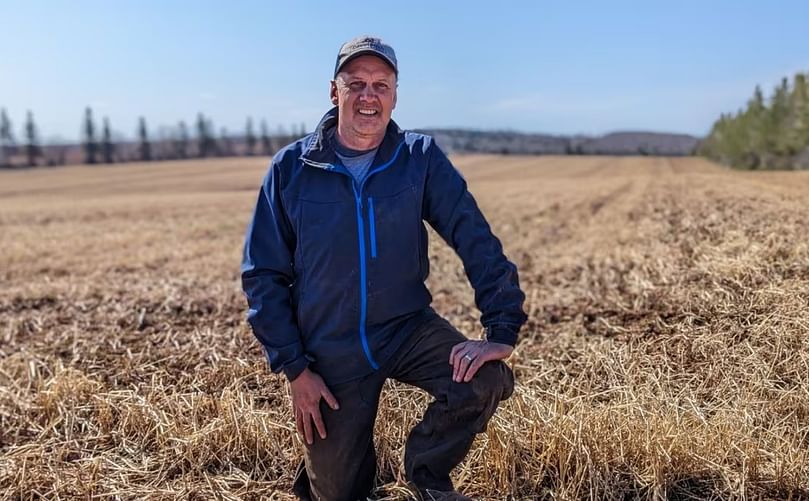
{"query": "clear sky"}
{"type": "Point", "coordinates": [542, 66]}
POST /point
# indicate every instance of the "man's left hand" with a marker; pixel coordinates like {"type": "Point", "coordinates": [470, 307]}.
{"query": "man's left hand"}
{"type": "Point", "coordinates": [467, 357]}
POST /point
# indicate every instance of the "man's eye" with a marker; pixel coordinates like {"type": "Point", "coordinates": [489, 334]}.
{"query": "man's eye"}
{"type": "Point", "coordinates": [356, 85]}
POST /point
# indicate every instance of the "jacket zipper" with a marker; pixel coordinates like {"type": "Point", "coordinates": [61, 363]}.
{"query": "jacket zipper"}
{"type": "Point", "coordinates": [372, 225]}
{"type": "Point", "coordinates": [361, 237]}
{"type": "Point", "coordinates": [363, 281]}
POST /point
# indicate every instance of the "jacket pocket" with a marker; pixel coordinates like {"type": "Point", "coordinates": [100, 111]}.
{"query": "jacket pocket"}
{"type": "Point", "coordinates": [394, 223]}
{"type": "Point", "coordinates": [329, 252]}
{"type": "Point", "coordinates": [394, 275]}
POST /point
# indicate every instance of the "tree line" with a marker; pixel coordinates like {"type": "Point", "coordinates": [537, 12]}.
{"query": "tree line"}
{"type": "Point", "coordinates": [768, 133]}
{"type": "Point", "coordinates": [104, 146]}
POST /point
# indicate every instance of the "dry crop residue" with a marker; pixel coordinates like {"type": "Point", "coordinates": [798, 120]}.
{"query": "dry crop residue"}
{"type": "Point", "coordinates": [666, 354]}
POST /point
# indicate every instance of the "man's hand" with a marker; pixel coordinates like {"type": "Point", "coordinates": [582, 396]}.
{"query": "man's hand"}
{"type": "Point", "coordinates": [467, 357]}
{"type": "Point", "coordinates": [307, 390]}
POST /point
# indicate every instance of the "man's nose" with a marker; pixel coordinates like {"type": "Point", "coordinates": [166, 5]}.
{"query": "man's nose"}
{"type": "Point", "coordinates": [368, 92]}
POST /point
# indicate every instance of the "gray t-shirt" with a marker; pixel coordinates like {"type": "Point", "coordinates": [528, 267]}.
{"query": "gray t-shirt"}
{"type": "Point", "coordinates": [357, 162]}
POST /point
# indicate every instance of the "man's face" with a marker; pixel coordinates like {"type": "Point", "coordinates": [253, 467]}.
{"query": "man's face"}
{"type": "Point", "coordinates": [365, 92]}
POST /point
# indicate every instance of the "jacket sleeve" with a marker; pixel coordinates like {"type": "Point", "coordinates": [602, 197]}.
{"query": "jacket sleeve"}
{"type": "Point", "coordinates": [267, 276]}
{"type": "Point", "coordinates": [453, 213]}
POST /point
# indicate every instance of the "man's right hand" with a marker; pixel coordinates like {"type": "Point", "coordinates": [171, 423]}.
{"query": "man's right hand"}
{"type": "Point", "coordinates": [307, 390]}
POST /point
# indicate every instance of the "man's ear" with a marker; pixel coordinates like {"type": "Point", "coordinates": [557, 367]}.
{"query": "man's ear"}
{"type": "Point", "coordinates": [333, 92]}
{"type": "Point", "coordinates": [395, 97]}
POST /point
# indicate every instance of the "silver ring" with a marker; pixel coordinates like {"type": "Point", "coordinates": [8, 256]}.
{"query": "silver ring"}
{"type": "Point", "coordinates": [468, 357]}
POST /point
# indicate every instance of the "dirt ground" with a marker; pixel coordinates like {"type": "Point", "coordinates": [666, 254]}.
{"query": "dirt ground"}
{"type": "Point", "coordinates": [666, 354]}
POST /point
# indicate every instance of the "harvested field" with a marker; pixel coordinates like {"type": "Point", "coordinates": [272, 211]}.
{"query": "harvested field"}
{"type": "Point", "coordinates": [666, 355]}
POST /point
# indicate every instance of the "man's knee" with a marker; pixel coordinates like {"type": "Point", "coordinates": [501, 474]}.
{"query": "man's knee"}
{"type": "Point", "coordinates": [495, 381]}
{"type": "Point", "coordinates": [492, 383]}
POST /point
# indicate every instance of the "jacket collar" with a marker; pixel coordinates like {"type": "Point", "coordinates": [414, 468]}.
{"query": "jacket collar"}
{"type": "Point", "coordinates": [319, 152]}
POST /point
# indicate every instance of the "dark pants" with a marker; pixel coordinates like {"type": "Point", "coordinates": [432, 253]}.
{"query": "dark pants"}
{"type": "Point", "coordinates": [343, 466]}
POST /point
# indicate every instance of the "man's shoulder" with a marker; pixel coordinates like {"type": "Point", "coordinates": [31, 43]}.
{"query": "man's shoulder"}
{"type": "Point", "coordinates": [288, 155]}
{"type": "Point", "coordinates": [417, 142]}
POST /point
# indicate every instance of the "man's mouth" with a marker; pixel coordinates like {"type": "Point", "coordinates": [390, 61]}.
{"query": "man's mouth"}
{"type": "Point", "coordinates": [369, 113]}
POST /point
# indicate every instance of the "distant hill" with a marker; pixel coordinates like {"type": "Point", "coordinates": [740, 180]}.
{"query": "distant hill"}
{"type": "Point", "coordinates": [451, 140]}
{"type": "Point", "coordinates": [616, 143]}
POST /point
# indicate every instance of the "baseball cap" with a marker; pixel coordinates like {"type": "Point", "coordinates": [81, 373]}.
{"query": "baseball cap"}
{"type": "Point", "coordinates": [365, 45]}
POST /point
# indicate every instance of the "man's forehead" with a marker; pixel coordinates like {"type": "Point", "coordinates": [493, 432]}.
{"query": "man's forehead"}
{"type": "Point", "coordinates": [368, 65]}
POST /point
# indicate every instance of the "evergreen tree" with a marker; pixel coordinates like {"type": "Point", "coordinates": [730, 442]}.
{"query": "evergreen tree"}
{"type": "Point", "coordinates": [225, 143]}
{"type": "Point", "coordinates": [757, 121]}
{"type": "Point", "coordinates": [181, 149]}
{"type": "Point", "coordinates": [7, 143]}
{"type": "Point", "coordinates": [266, 147]}
{"type": "Point", "coordinates": [805, 114]}
{"type": "Point", "coordinates": [90, 145]}
{"type": "Point", "coordinates": [144, 147]}
{"type": "Point", "coordinates": [6, 139]}
{"type": "Point", "coordinates": [204, 139]}
{"type": "Point", "coordinates": [6, 132]}
{"type": "Point", "coordinates": [249, 137]}
{"type": "Point", "coordinates": [767, 133]}
{"type": "Point", "coordinates": [214, 146]}
{"type": "Point", "coordinates": [798, 126]}
{"type": "Point", "coordinates": [32, 150]}
{"type": "Point", "coordinates": [107, 147]}
{"type": "Point", "coordinates": [779, 114]}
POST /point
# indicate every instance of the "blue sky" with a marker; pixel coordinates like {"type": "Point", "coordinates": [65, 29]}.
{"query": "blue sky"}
{"type": "Point", "coordinates": [554, 67]}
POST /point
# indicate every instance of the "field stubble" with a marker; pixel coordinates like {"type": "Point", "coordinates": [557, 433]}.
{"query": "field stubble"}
{"type": "Point", "coordinates": [666, 354]}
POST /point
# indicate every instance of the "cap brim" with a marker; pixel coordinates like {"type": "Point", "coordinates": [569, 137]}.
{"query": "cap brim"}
{"type": "Point", "coordinates": [368, 52]}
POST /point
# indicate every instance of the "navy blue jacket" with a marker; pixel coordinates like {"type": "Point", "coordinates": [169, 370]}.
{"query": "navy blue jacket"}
{"type": "Point", "coordinates": [334, 270]}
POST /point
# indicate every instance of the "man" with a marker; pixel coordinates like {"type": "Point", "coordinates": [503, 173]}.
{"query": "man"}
{"type": "Point", "coordinates": [335, 260]}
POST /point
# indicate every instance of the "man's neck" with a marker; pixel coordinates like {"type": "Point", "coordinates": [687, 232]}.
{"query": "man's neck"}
{"type": "Point", "coordinates": [358, 143]}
